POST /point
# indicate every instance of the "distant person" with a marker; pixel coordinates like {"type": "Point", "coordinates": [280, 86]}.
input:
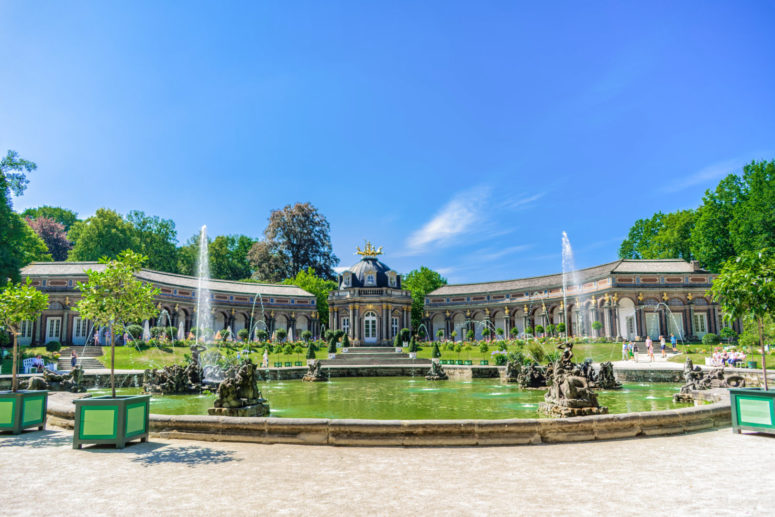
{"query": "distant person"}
{"type": "Point", "coordinates": [265, 362]}
{"type": "Point", "coordinates": [625, 350]}
{"type": "Point", "coordinates": [674, 343]}
{"type": "Point", "coordinates": [650, 350]}
{"type": "Point", "coordinates": [662, 345]}
{"type": "Point", "coordinates": [73, 359]}
{"type": "Point", "coordinates": [38, 363]}
{"type": "Point", "coordinates": [635, 350]}
{"type": "Point", "coordinates": [96, 338]}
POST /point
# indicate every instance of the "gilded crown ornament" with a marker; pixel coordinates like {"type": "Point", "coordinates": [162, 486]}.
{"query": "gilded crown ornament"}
{"type": "Point", "coordinates": [369, 250]}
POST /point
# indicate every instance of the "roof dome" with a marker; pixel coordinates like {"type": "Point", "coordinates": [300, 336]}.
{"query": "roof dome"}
{"type": "Point", "coordinates": [369, 272]}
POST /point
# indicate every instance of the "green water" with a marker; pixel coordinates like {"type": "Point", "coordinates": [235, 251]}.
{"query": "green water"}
{"type": "Point", "coordinates": [401, 398]}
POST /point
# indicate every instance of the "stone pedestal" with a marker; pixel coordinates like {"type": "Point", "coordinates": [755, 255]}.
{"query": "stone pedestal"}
{"type": "Point", "coordinates": [261, 408]}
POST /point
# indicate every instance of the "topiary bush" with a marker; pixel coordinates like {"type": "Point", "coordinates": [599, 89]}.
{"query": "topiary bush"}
{"type": "Point", "coordinates": [53, 346]}
{"type": "Point", "coordinates": [243, 334]}
{"type": "Point", "coordinates": [288, 349]}
{"type": "Point", "coordinates": [500, 360]}
{"type": "Point", "coordinates": [281, 334]}
{"type": "Point", "coordinates": [332, 346]}
{"type": "Point", "coordinates": [436, 353]}
{"type": "Point", "coordinates": [345, 342]}
{"type": "Point", "coordinates": [710, 339]}
{"type": "Point", "coordinates": [135, 331]}
{"type": "Point", "coordinates": [483, 348]}
{"type": "Point", "coordinates": [306, 335]}
{"type": "Point", "coordinates": [470, 335]}
{"type": "Point", "coordinates": [262, 334]}
{"type": "Point", "coordinates": [311, 350]}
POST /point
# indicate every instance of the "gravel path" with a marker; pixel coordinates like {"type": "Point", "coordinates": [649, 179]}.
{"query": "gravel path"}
{"type": "Point", "coordinates": [714, 472]}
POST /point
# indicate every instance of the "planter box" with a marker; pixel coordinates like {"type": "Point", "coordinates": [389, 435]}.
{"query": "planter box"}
{"type": "Point", "coordinates": [22, 410]}
{"type": "Point", "coordinates": [108, 420]}
{"type": "Point", "coordinates": [484, 363]}
{"type": "Point", "coordinates": [468, 363]}
{"type": "Point", "coordinates": [753, 409]}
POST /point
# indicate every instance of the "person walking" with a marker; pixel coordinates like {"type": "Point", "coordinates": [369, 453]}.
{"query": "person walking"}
{"type": "Point", "coordinates": [650, 350]}
{"type": "Point", "coordinates": [674, 343]}
{"type": "Point", "coordinates": [625, 350]}
{"type": "Point", "coordinates": [662, 346]}
{"type": "Point", "coordinates": [73, 359]}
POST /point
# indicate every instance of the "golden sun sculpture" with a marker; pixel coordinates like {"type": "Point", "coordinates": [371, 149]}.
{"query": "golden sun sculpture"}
{"type": "Point", "coordinates": [369, 250]}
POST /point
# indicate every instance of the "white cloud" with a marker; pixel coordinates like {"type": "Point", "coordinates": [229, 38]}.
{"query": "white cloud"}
{"type": "Point", "coordinates": [458, 217]}
{"type": "Point", "coordinates": [523, 202]}
{"type": "Point", "coordinates": [708, 174]}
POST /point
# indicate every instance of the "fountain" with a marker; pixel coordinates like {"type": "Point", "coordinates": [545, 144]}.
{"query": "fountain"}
{"type": "Point", "coordinates": [203, 312]}
{"type": "Point", "coordinates": [314, 373]}
{"type": "Point", "coordinates": [570, 393]}
{"type": "Point", "coordinates": [436, 373]}
{"type": "Point", "coordinates": [177, 379]}
{"type": "Point", "coordinates": [238, 393]}
{"type": "Point", "coordinates": [51, 381]}
{"type": "Point", "coordinates": [696, 380]}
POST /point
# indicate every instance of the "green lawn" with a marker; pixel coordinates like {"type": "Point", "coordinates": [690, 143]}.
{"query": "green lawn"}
{"type": "Point", "coordinates": [598, 352]}
{"type": "Point", "coordinates": [698, 357]}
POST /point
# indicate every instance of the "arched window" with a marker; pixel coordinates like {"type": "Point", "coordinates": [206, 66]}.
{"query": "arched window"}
{"type": "Point", "coordinates": [370, 327]}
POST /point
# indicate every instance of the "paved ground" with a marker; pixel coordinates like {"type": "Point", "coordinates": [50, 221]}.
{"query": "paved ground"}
{"type": "Point", "coordinates": [707, 473]}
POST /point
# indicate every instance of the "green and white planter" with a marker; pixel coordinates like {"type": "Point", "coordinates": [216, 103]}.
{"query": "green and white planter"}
{"type": "Point", "coordinates": [22, 410]}
{"type": "Point", "coordinates": [108, 420]}
{"type": "Point", "coordinates": [753, 409]}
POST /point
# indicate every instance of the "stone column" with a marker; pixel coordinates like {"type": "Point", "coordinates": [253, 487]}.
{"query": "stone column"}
{"type": "Point", "coordinates": [63, 337]}
{"type": "Point", "coordinates": [351, 330]}
{"type": "Point", "coordinates": [356, 323]}
{"type": "Point", "coordinates": [36, 338]}
{"type": "Point", "coordinates": [639, 320]}
{"type": "Point", "coordinates": [331, 319]}
{"type": "Point", "coordinates": [689, 331]}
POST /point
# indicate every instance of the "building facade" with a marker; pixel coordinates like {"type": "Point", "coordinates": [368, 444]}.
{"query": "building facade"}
{"type": "Point", "coordinates": [630, 299]}
{"type": "Point", "coordinates": [234, 305]}
{"type": "Point", "coordinates": [369, 304]}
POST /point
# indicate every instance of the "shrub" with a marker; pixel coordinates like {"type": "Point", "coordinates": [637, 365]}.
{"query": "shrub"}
{"type": "Point", "coordinates": [728, 333]}
{"type": "Point", "coordinates": [499, 331]}
{"type": "Point", "coordinates": [440, 333]}
{"type": "Point", "coordinates": [243, 334]}
{"type": "Point", "coordinates": [306, 335]}
{"type": "Point", "coordinates": [53, 346]}
{"type": "Point", "coordinates": [262, 334]}
{"type": "Point", "coordinates": [528, 330]}
{"type": "Point", "coordinates": [470, 335]}
{"type": "Point", "coordinates": [405, 335]}
{"type": "Point", "coordinates": [514, 332]}
{"type": "Point", "coordinates": [338, 334]}
{"type": "Point", "coordinates": [561, 327]}
{"type": "Point", "coordinates": [281, 334]}
{"type": "Point", "coordinates": [328, 334]}
{"type": "Point", "coordinates": [332, 346]}
{"type": "Point", "coordinates": [297, 349]}
{"type": "Point", "coordinates": [397, 341]}
{"type": "Point", "coordinates": [179, 343]}
{"type": "Point", "coordinates": [597, 325]}
{"type": "Point", "coordinates": [135, 331]}
{"type": "Point", "coordinates": [449, 347]}
{"type": "Point", "coordinates": [483, 348]}
{"type": "Point", "coordinates": [539, 329]}
{"type": "Point", "coordinates": [500, 360]}
{"type": "Point", "coordinates": [458, 348]}
{"type": "Point", "coordinates": [311, 350]}
{"type": "Point", "coordinates": [345, 341]}
{"type": "Point", "coordinates": [485, 332]}
{"type": "Point", "coordinates": [536, 352]}
{"type": "Point", "coordinates": [436, 353]}
{"type": "Point", "coordinates": [517, 357]}
{"type": "Point", "coordinates": [288, 349]}
{"type": "Point", "coordinates": [710, 339]}
{"type": "Point", "coordinates": [453, 334]}
{"type": "Point", "coordinates": [413, 345]}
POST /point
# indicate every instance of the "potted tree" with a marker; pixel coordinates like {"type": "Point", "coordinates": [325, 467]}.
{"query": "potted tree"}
{"type": "Point", "coordinates": [745, 288]}
{"type": "Point", "coordinates": [111, 298]}
{"type": "Point", "coordinates": [440, 334]}
{"type": "Point", "coordinates": [21, 410]}
{"type": "Point", "coordinates": [405, 335]}
{"type": "Point", "coordinates": [597, 325]}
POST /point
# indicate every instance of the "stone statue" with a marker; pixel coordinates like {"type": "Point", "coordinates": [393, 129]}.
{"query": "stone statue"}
{"type": "Point", "coordinates": [513, 369]}
{"type": "Point", "coordinates": [532, 376]}
{"type": "Point", "coordinates": [436, 373]}
{"type": "Point", "coordinates": [695, 380]}
{"type": "Point", "coordinates": [570, 393]}
{"type": "Point", "coordinates": [606, 379]}
{"type": "Point", "coordinates": [566, 360]}
{"type": "Point", "coordinates": [314, 373]}
{"type": "Point", "coordinates": [176, 379]}
{"type": "Point", "coordinates": [238, 393]}
{"type": "Point", "coordinates": [72, 381]}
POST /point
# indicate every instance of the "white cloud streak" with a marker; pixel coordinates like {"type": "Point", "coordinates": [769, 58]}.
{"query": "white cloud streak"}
{"type": "Point", "coordinates": [708, 174]}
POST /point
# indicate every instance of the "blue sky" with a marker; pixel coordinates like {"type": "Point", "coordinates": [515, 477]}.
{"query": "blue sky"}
{"type": "Point", "coordinates": [465, 136]}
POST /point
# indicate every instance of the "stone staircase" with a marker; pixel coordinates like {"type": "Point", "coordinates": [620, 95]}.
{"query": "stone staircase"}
{"type": "Point", "coordinates": [373, 356]}
{"type": "Point", "coordinates": [86, 357]}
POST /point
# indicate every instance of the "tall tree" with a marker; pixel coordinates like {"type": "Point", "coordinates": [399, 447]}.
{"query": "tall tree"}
{"type": "Point", "coordinates": [753, 224]}
{"type": "Point", "coordinates": [19, 245]}
{"type": "Point", "coordinates": [421, 282]}
{"type": "Point", "coordinates": [673, 239]}
{"type": "Point", "coordinates": [320, 287]}
{"type": "Point", "coordinates": [711, 241]}
{"type": "Point", "coordinates": [268, 263]}
{"type": "Point", "coordinates": [105, 234]}
{"type": "Point", "coordinates": [641, 237]}
{"type": "Point", "coordinates": [227, 255]}
{"type": "Point", "coordinates": [156, 239]}
{"type": "Point", "coordinates": [299, 236]}
{"type": "Point", "coordinates": [63, 216]}
{"type": "Point", "coordinates": [53, 234]}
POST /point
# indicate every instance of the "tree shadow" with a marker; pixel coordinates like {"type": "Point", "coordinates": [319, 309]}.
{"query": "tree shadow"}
{"type": "Point", "coordinates": [36, 439]}
{"type": "Point", "coordinates": [190, 455]}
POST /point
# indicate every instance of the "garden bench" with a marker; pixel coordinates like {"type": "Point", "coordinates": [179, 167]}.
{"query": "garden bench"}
{"type": "Point", "coordinates": [28, 365]}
